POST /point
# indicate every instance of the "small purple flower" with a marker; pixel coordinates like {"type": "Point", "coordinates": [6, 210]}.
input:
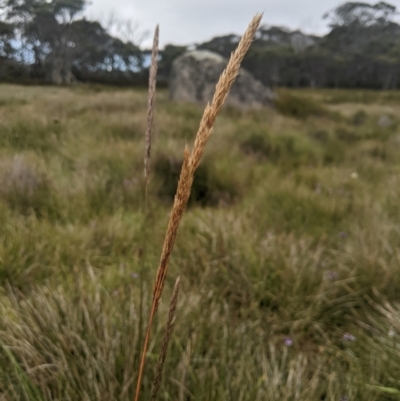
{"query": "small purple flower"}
{"type": "Point", "coordinates": [343, 234]}
{"type": "Point", "coordinates": [344, 398]}
{"type": "Point", "coordinates": [288, 342]}
{"type": "Point", "coordinates": [348, 337]}
{"type": "Point", "coordinates": [330, 275]}
{"type": "Point", "coordinates": [115, 293]}
{"type": "Point", "coordinates": [134, 275]}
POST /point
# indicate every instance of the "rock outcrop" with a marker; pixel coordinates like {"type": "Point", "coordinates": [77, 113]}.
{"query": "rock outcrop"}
{"type": "Point", "coordinates": [195, 73]}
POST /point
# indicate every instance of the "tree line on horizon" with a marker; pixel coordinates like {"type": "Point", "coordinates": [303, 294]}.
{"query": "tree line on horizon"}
{"type": "Point", "coordinates": [51, 41]}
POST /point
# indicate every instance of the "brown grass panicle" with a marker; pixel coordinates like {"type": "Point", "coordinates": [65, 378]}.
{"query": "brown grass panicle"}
{"type": "Point", "coordinates": [190, 163]}
{"type": "Point", "coordinates": [150, 105]}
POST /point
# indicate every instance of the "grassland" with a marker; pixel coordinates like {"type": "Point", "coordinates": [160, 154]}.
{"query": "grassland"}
{"type": "Point", "coordinates": [289, 253]}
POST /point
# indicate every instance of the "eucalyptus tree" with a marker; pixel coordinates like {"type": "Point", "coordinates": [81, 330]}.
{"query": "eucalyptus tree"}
{"type": "Point", "coordinates": [60, 40]}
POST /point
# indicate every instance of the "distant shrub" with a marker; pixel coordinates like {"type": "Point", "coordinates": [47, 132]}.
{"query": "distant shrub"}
{"type": "Point", "coordinates": [334, 152]}
{"type": "Point", "coordinates": [112, 183]}
{"type": "Point", "coordinates": [379, 152]}
{"type": "Point", "coordinates": [31, 135]}
{"type": "Point", "coordinates": [359, 118]}
{"type": "Point", "coordinates": [184, 128]}
{"type": "Point", "coordinates": [24, 186]}
{"type": "Point", "coordinates": [6, 101]}
{"type": "Point", "coordinates": [347, 135]}
{"type": "Point", "coordinates": [183, 120]}
{"type": "Point", "coordinates": [188, 111]}
{"type": "Point", "coordinates": [294, 211]}
{"type": "Point", "coordinates": [298, 106]}
{"type": "Point", "coordinates": [258, 144]}
{"type": "Point", "coordinates": [123, 131]}
{"type": "Point", "coordinates": [287, 149]}
{"type": "Point", "coordinates": [210, 188]}
{"type": "Point", "coordinates": [321, 136]}
{"type": "Point", "coordinates": [233, 112]}
{"type": "Point", "coordinates": [331, 144]}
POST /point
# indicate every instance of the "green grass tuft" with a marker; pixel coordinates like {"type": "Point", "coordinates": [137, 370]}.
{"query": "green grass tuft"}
{"type": "Point", "coordinates": [288, 254]}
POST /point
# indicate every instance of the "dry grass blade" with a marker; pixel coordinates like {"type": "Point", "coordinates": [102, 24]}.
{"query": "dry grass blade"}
{"type": "Point", "coordinates": [190, 164]}
{"type": "Point", "coordinates": [150, 104]}
{"type": "Point", "coordinates": [165, 341]}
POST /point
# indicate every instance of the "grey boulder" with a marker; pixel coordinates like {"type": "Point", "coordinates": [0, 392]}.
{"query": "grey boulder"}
{"type": "Point", "coordinates": [195, 74]}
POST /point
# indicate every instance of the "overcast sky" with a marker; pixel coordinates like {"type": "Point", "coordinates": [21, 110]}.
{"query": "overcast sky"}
{"type": "Point", "coordinates": [190, 21]}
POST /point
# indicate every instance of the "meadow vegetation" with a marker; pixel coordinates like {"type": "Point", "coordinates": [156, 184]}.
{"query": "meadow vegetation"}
{"type": "Point", "coordinates": [288, 254]}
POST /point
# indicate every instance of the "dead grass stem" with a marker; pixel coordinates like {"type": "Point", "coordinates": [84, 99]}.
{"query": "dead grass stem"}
{"type": "Point", "coordinates": [165, 341]}
{"type": "Point", "coordinates": [149, 137]}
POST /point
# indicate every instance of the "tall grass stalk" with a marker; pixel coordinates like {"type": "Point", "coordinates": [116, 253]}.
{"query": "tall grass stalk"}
{"type": "Point", "coordinates": [149, 136]}
{"type": "Point", "coordinates": [190, 163]}
{"type": "Point", "coordinates": [165, 341]}
{"type": "Point", "coordinates": [150, 105]}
